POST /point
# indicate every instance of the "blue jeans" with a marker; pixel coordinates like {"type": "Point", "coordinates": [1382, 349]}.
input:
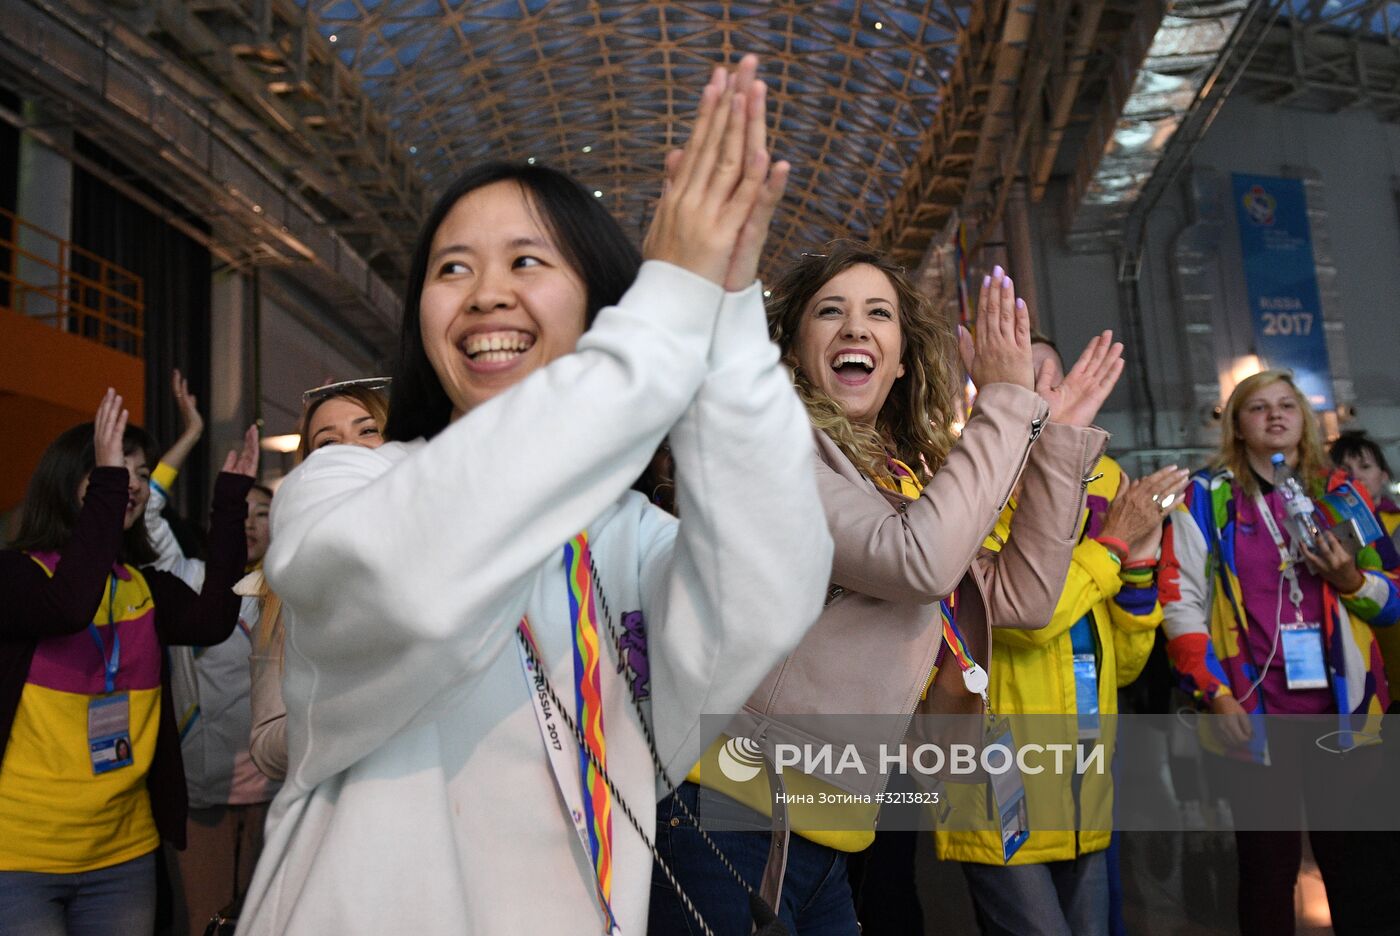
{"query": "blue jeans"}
{"type": "Point", "coordinates": [816, 897]}
{"type": "Point", "coordinates": [1057, 898]}
{"type": "Point", "coordinates": [115, 901]}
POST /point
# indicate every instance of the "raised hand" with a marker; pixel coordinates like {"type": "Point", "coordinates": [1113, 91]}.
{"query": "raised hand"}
{"type": "Point", "coordinates": [1136, 514]}
{"type": "Point", "coordinates": [244, 461]}
{"type": "Point", "coordinates": [191, 421]}
{"type": "Point", "coordinates": [999, 349]}
{"type": "Point", "coordinates": [743, 265]}
{"type": "Point", "coordinates": [716, 184]}
{"type": "Point", "coordinates": [108, 428]}
{"type": "Point", "coordinates": [1076, 400]}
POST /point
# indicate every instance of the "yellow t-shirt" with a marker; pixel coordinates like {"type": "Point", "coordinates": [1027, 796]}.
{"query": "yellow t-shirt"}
{"type": "Point", "coordinates": [61, 809]}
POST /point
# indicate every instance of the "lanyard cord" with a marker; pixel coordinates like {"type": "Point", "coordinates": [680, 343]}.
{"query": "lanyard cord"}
{"type": "Point", "coordinates": [110, 665]}
{"type": "Point", "coordinates": [974, 676]}
{"type": "Point", "coordinates": [1288, 563]}
{"type": "Point", "coordinates": [762, 913]}
{"type": "Point", "coordinates": [762, 919]}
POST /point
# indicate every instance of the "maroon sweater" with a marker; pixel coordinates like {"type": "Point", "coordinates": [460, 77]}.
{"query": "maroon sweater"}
{"type": "Point", "coordinates": [34, 606]}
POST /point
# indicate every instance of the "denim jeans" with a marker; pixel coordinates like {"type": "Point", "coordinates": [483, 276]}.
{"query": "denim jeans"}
{"type": "Point", "coordinates": [816, 898]}
{"type": "Point", "coordinates": [1057, 898]}
{"type": "Point", "coordinates": [115, 901]}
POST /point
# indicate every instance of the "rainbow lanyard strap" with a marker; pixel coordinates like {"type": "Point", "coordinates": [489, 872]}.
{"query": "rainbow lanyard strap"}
{"type": "Point", "coordinates": [588, 699]}
{"type": "Point", "coordinates": [974, 676]}
{"type": "Point", "coordinates": [588, 801]}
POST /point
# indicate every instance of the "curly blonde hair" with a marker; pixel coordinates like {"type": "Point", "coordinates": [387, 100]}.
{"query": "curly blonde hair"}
{"type": "Point", "coordinates": [1312, 458]}
{"type": "Point", "coordinates": [915, 422]}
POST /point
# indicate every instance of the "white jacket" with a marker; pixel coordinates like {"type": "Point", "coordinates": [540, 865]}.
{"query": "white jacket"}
{"type": "Point", "coordinates": [419, 798]}
{"type": "Point", "coordinates": [210, 688]}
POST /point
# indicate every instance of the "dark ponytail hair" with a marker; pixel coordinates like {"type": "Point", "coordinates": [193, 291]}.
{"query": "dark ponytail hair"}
{"type": "Point", "coordinates": [590, 239]}
{"type": "Point", "coordinates": [50, 509]}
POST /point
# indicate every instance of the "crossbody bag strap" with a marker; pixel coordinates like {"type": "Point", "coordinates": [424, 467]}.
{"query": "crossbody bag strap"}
{"type": "Point", "coordinates": [771, 888]}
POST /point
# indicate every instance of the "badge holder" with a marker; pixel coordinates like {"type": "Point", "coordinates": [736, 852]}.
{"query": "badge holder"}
{"type": "Point", "coordinates": [109, 733]}
{"type": "Point", "coordinates": [1086, 691]}
{"type": "Point", "coordinates": [1007, 794]}
{"type": "Point", "coordinates": [1304, 659]}
{"type": "Point", "coordinates": [109, 715]}
{"type": "Point", "coordinates": [1304, 665]}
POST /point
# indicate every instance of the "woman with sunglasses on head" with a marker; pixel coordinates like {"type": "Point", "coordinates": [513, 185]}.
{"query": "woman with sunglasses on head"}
{"type": "Point", "coordinates": [350, 412]}
{"type": "Point", "coordinates": [91, 778]}
{"type": "Point", "coordinates": [909, 506]}
{"type": "Point", "coordinates": [457, 599]}
{"type": "Point", "coordinates": [1261, 623]}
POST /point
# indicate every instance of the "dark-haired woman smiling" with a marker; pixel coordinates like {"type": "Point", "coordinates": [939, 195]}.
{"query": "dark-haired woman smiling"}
{"type": "Point", "coordinates": [90, 771]}
{"type": "Point", "coordinates": [453, 594]}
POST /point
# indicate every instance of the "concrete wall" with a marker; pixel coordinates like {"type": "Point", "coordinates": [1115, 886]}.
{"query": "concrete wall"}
{"type": "Point", "coordinates": [1355, 157]}
{"type": "Point", "coordinates": [296, 354]}
{"type": "Point", "coordinates": [265, 375]}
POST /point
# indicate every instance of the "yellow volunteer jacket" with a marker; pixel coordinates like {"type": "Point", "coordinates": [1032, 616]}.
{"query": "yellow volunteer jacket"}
{"type": "Point", "coordinates": [1032, 673]}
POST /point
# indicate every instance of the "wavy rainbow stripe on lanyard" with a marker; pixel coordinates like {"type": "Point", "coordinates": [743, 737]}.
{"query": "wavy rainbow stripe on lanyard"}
{"type": "Point", "coordinates": [588, 696]}
{"type": "Point", "coordinates": [953, 637]}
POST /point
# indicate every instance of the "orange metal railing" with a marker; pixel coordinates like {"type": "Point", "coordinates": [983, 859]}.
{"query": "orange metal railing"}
{"type": "Point", "coordinates": [50, 279]}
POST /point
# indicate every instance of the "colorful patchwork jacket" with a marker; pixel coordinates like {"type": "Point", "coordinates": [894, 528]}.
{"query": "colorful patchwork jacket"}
{"type": "Point", "coordinates": [1208, 647]}
{"type": "Point", "coordinates": [1389, 637]}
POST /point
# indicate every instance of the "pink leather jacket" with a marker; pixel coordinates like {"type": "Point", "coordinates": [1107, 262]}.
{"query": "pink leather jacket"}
{"type": "Point", "coordinates": [872, 649]}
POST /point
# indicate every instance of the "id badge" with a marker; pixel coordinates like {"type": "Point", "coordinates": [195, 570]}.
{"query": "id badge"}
{"type": "Point", "coordinates": [109, 732]}
{"type": "Point", "coordinates": [1303, 662]}
{"type": "Point", "coordinates": [1008, 793]}
{"type": "Point", "coordinates": [1086, 693]}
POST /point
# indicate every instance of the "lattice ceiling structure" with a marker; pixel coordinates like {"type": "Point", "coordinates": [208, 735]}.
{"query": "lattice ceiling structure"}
{"type": "Point", "coordinates": [312, 134]}
{"type": "Point", "coordinates": [1331, 55]}
{"type": "Point", "coordinates": [604, 89]}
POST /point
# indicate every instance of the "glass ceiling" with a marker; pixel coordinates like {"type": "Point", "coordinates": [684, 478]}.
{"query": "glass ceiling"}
{"type": "Point", "coordinates": [603, 89]}
{"type": "Point", "coordinates": [1367, 17]}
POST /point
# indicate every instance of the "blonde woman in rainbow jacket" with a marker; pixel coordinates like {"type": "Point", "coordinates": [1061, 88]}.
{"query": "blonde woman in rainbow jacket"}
{"type": "Point", "coordinates": [1260, 625]}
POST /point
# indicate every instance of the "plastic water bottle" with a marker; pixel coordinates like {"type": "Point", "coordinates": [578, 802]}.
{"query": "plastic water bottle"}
{"type": "Point", "coordinates": [1302, 515]}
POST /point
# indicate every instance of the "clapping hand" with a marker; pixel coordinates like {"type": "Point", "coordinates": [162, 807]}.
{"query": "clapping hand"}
{"type": "Point", "coordinates": [1136, 514]}
{"type": "Point", "coordinates": [244, 461]}
{"type": "Point", "coordinates": [1075, 401]}
{"type": "Point", "coordinates": [999, 349]}
{"type": "Point", "coordinates": [191, 421]}
{"type": "Point", "coordinates": [108, 431]}
{"type": "Point", "coordinates": [719, 193]}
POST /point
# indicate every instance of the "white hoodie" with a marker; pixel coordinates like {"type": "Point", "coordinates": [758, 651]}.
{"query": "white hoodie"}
{"type": "Point", "coordinates": [420, 799]}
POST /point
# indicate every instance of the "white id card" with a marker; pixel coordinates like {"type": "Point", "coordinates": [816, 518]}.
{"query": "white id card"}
{"type": "Point", "coordinates": [109, 732]}
{"type": "Point", "coordinates": [1008, 793]}
{"type": "Point", "coordinates": [1303, 662]}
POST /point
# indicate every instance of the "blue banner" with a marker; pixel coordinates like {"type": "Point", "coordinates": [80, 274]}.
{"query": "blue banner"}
{"type": "Point", "coordinates": [1276, 246]}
